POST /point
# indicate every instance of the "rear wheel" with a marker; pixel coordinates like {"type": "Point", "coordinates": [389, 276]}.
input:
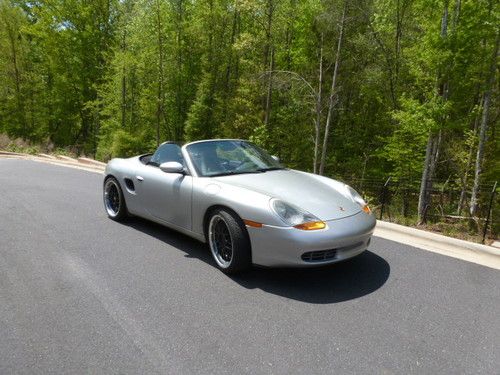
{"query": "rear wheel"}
{"type": "Point", "coordinates": [228, 241]}
{"type": "Point", "coordinates": [114, 203]}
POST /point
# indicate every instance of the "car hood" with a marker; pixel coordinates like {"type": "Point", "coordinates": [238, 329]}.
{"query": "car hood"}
{"type": "Point", "coordinates": [323, 197]}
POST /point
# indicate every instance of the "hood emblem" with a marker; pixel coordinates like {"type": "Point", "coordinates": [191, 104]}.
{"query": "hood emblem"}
{"type": "Point", "coordinates": [341, 208]}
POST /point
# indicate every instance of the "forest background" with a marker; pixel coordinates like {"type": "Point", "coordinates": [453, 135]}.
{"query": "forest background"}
{"type": "Point", "coordinates": [395, 93]}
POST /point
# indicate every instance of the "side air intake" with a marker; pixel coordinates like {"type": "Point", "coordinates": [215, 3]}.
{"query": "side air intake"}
{"type": "Point", "coordinates": [129, 184]}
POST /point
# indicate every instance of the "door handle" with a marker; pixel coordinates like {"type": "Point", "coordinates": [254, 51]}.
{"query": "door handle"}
{"type": "Point", "coordinates": [140, 178]}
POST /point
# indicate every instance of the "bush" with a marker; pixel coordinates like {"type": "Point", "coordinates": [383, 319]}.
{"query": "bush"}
{"type": "Point", "coordinates": [125, 144]}
{"type": "Point", "coordinates": [18, 145]}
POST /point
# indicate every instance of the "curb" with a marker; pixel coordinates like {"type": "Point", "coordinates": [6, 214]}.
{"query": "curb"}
{"type": "Point", "coordinates": [438, 237]}
{"type": "Point", "coordinates": [47, 156]}
{"type": "Point", "coordinates": [71, 164]}
{"type": "Point", "coordinates": [437, 243]}
{"type": "Point", "coordinates": [12, 153]}
{"type": "Point", "coordinates": [67, 158]}
{"type": "Point", "coordinates": [91, 161]}
{"type": "Point", "coordinates": [62, 160]}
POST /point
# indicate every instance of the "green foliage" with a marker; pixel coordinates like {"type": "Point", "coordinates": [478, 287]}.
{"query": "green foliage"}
{"type": "Point", "coordinates": [200, 123]}
{"type": "Point", "coordinates": [405, 147]}
{"type": "Point", "coordinates": [125, 144]}
{"type": "Point", "coordinates": [105, 78]}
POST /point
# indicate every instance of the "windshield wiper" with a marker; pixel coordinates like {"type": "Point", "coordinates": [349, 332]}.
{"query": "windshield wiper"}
{"type": "Point", "coordinates": [270, 169]}
{"type": "Point", "coordinates": [229, 173]}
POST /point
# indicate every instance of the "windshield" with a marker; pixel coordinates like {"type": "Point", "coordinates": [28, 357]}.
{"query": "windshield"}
{"type": "Point", "coordinates": [227, 157]}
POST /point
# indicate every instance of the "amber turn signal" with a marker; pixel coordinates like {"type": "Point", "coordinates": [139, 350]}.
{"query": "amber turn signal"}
{"type": "Point", "coordinates": [366, 209]}
{"type": "Point", "coordinates": [251, 223]}
{"type": "Point", "coordinates": [313, 225]}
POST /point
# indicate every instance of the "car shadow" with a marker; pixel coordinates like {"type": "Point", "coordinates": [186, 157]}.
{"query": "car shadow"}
{"type": "Point", "coordinates": [338, 282]}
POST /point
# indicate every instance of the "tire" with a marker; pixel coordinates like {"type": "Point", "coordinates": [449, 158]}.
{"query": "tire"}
{"type": "Point", "coordinates": [224, 226]}
{"type": "Point", "coordinates": [114, 202]}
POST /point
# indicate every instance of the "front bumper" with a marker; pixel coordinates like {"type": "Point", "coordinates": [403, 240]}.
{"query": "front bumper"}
{"type": "Point", "coordinates": [290, 247]}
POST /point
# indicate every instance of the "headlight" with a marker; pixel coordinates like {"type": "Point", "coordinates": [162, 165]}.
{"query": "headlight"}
{"type": "Point", "coordinates": [358, 199]}
{"type": "Point", "coordinates": [296, 216]}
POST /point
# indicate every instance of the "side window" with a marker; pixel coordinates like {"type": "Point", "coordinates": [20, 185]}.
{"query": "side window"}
{"type": "Point", "coordinates": [167, 152]}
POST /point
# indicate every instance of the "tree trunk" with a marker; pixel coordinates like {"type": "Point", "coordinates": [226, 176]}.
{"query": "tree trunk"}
{"type": "Point", "coordinates": [124, 85]}
{"type": "Point", "coordinates": [267, 113]}
{"type": "Point", "coordinates": [268, 31]}
{"type": "Point", "coordinates": [433, 142]}
{"type": "Point", "coordinates": [179, 97]}
{"type": "Point", "coordinates": [401, 7]}
{"type": "Point", "coordinates": [431, 157]}
{"type": "Point", "coordinates": [17, 78]}
{"type": "Point", "coordinates": [269, 62]}
{"type": "Point", "coordinates": [319, 97]}
{"type": "Point", "coordinates": [228, 91]}
{"type": "Point", "coordinates": [331, 101]}
{"type": "Point", "coordinates": [290, 34]}
{"type": "Point", "coordinates": [133, 97]}
{"type": "Point", "coordinates": [463, 192]}
{"type": "Point", "coordinates": [474, 204]}
{"type": "Point", "coordinates": [124, 98]}
{"type": "Point", "coordinates": [159, 108]}
{"type": "Point", "coordinates": [456, 14]}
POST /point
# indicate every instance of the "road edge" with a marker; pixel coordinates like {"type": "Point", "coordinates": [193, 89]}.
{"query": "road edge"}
{"type": "Point", "coordinates": [437, 243]}
{"type": "Point", "coordinates": [65, 161]}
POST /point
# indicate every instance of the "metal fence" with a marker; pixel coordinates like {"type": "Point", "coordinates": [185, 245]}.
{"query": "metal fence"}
{"type": "Point", "coordinates": [394, 200]}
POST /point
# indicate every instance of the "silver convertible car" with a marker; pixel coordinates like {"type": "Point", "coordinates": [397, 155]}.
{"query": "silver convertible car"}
{"type": "Point", "coordinates": [243, 202]}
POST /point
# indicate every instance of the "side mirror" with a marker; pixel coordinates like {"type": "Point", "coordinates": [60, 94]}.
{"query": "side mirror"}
{"type": "Point", "coordinates": [172, 167]}
{"type": "Point", "coordinates": [275, 158]}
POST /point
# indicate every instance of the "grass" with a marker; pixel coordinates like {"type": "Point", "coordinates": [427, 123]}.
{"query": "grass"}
{"type": "Point", "coordinates": [22, 146]}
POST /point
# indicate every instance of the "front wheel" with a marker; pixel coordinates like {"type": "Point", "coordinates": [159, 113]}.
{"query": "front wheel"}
{"type": "Point", "coordinates": [114, 203]}
{"type": "Point", "coordinates": [229, 242]}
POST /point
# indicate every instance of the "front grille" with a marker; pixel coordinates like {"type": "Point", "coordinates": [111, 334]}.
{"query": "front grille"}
{"type": "Point", "coordinates": [324, 255]}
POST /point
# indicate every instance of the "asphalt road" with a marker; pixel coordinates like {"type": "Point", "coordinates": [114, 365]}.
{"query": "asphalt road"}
{"type": "Point", "coordinates": [80, 293]}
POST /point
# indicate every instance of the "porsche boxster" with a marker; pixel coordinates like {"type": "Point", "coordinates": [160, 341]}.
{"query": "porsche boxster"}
{"type": "Point", "coordinates": [243, 202]}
